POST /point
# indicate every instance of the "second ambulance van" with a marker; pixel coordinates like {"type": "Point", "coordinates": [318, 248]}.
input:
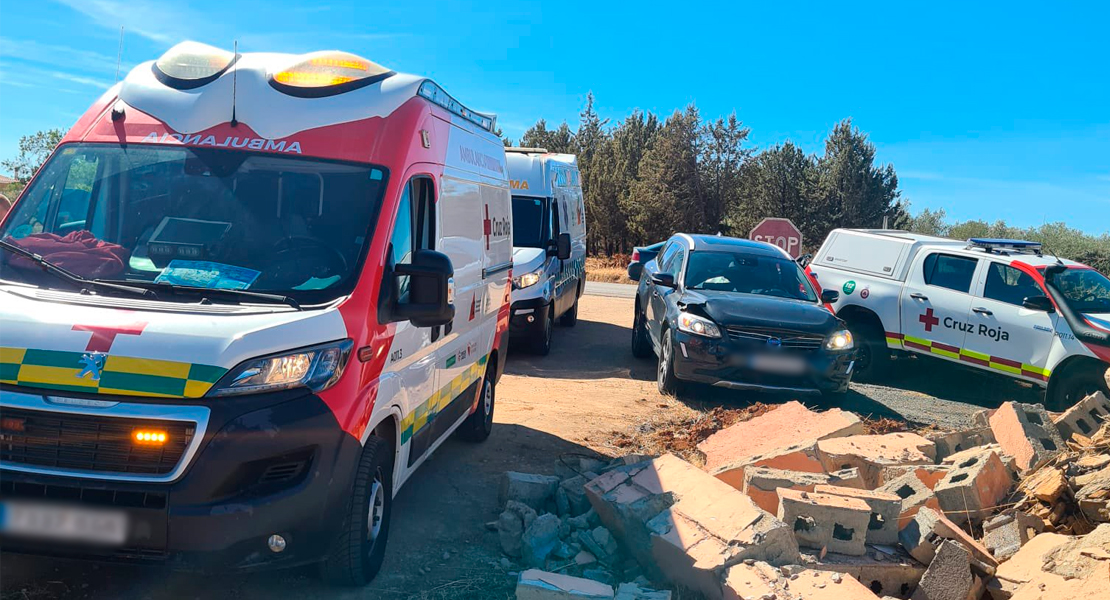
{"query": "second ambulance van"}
{"type": "Point", "coordinates": [246, 297]}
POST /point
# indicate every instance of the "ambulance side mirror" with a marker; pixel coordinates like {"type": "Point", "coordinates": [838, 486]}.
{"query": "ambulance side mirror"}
{"type": "Point", "coordinates": [429, 294]}
{"type": "Point", "coordinates": [562, 246]}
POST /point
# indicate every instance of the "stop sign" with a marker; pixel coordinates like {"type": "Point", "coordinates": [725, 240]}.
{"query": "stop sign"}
{"type": "Point", "coordinates": [780, 232]}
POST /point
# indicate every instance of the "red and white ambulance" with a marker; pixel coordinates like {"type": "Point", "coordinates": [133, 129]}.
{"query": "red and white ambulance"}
{"type": "Point", "coordinates": [247, 296]}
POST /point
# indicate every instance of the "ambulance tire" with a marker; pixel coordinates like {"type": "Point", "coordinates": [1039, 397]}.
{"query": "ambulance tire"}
{"type": "Point", "coordinates": [872, 356]}
{"type": "Point", "coordinates": [1075, 385]}
{"type": "Point", "coordinates": [570, 318]}
{"type": "Point", "coordinates": [541, 342]}
{"type": "Point", "coordinates": [477, 427]}
{"type": "Point", "coordinates": [357, 554]}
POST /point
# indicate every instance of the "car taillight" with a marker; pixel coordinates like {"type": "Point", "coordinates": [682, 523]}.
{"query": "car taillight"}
{"type": "Point", "coordinates": [635, 256]}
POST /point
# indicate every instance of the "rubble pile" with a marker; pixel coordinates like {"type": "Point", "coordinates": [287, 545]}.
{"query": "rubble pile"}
{"type": "Point", "coordinates": [794, 504]}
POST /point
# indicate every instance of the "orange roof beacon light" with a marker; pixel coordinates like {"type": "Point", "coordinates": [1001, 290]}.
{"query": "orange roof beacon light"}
{"type": "Point", "coordinates": [327, 73]}
{"type": "Point", "coordinates": [190, 65]}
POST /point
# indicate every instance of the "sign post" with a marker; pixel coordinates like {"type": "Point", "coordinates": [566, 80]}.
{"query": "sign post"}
{"type": "Point", "coordinates": [780, 232]}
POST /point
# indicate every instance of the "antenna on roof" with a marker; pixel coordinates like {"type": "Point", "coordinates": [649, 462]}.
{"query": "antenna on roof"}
{"type": "Point", "coordinates": [119, 53]}
{"type": "Point", "coordinates": [234, 82]}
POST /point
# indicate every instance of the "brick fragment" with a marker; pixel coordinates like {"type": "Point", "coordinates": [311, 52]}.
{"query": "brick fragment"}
{"type": "Point", "coordinates": [882, 526]}
{"type": "Point", "coordinates": [914, 494]}
{"type": "Point", "coordinates": [951, 442]}
{"type": "Point", "coordinates": [822, 520]}
{"type": "Point", "coordinates": [537, 491]}
{"type": "Point", "coordinates": [884, 570]}
{"type": "Point", "coordinates": [1026, 432]}
{"type": "Point", "coordinates": [1005, 533]}
{"type": "Point", "coordinates": [974, 487]}
{"type": "Point", "coordinates": [760, 580]}
{"type": "Point", "coordinates": [928, 474]}
{"type": "Point", "coordinates": [1077, 568]}
{"type": "Point", "coordinates": [761, 483]}
{"type": "Point", "coordinates": [928, 527]}
{"type": "Point", "coordinates": [1085, 417]}
{"type": "Point", "coordinates": [535, 584]}
{"type": "Point", "coordinates": [871, 453]}
{"type": "Point", "coordinates": [783, 438]}
{"type": "Point", "coordinates": [949, 575]}
{"type": "Point", "coordinates": [1023, 565]}
{"type": "Point", "coordinates": [1094, 497]}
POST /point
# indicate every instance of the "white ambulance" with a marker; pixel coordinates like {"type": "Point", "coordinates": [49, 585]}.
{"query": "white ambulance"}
{"type": "Point", "coordinates": [246, 297]}
{"type": "Point", "coordinates": [1005, 306]}
{"type": "Point", "coordinates": [549, 244]}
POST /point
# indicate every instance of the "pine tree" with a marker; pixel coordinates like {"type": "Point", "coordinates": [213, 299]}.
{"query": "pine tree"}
{"type": "Point", "coordinates": [667, 196]}
{"type": "Point", "coordinates": [857, 193]}
{"type": "Point", "coordinates": [719, 166]}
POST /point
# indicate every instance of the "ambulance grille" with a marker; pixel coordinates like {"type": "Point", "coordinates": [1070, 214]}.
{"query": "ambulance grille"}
{"type": "Point", "coordinates": [787, 340]}
{"type": "Point", "coordinates": [91, 443]}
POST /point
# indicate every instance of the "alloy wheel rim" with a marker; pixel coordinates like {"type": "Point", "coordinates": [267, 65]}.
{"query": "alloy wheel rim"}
{"type": "Point", "coordinates": [487, 402]}
{"type": "Point", "coordinates": [377, 508]}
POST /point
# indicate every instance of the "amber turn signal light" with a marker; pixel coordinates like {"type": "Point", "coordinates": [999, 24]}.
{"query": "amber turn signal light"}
{"type": "Point", "coordinates": [150, 437]}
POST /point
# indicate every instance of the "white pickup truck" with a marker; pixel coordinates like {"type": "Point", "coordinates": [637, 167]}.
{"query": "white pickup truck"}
{"type": "Point", "coordinates": [1000, 305]}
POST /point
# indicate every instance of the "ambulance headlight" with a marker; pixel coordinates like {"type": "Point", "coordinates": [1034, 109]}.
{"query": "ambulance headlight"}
{"type": "Point", "coordinates": [840, 340]}
{"type": "Point", "coordinates": [327, 73]}
{"type": "Point", "coordinates": [192, 64]}
{"type": "Point", "coordinates": [317, 368]}
{"type": "Point", "coordinates": [528, 279]}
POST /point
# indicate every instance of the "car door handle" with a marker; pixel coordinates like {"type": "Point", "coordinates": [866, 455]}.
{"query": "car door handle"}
{"type": "Point", "coordinates": [917, 296]}
{"type": "Point", "coordinates": [982, 311]}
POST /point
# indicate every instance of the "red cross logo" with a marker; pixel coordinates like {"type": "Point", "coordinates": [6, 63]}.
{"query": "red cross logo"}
{"type": "Point", "coordinates": [487, 227]}
{"type": "Point", "coordinates": [103, 336]}
{"type": "Point", "coordinates": [929, 320]}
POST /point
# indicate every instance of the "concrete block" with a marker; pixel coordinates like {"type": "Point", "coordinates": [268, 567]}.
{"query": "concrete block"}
{"type": "Point", "coordinates": [534, 490]}
{"type": "Point", "coordinates": [974, 487]}
{"type": "Point", "coordinates": [951, 442]}
{"type": "Point", "coordinates": [827, 521]}
{"type": "Point", "coordinates": [914, 494]}
{"type": "Point", "coordinates": [928, 474]}
{"type": "Point", "coordinates": [1005, 533]}
{"type": "Point", "coordinates": [1023, 565]}
{"type": "Point", "coordinates": [1026, 432]}
{"type": "Point", "coordinates": [781, 439]}
{"type": "Point", "coordinates": [511, 525]}
{"type": "Point", "coordinates": [539, 540]}
{"type": "Point", "coordinates": [685, 526]}
{"type": "Point", "coordinates": [1085, 417]}
{"type": "Point", "coordinates": [574, 490]}
{"type": "Point", "coordinates": [535, 584]}
{"type": "Point", "coordinates": [921, 537]}
{"type": "Point", "coordinates": [888, 571]}
{"type": "Point", "coordinates": [882, 526]}
{"type": "Point", "coordinates": [760, 580]}
{"type": "Point", "coordinates": [871, 453]}
{"type": "Point", "coordinates": [949, 576]}
{"type": "Point", "coordinates": [761, 483]}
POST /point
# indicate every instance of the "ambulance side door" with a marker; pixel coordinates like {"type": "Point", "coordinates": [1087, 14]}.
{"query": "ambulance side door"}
{"type": "Point", "coordinates": [935, 303]}
{"type": "Point", "coordinates": [1017, 339]}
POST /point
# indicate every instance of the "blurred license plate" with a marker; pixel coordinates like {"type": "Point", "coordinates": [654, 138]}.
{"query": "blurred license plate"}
{"type": "Point", "coordinates": [784, 364]}
{"type": "Point", "coordinates": [63, 523]}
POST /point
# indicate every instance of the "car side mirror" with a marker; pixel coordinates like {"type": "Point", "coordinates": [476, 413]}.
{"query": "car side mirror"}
{"type": "Point", "coordinates": [829, 296]}
{"type": "Point", "coordinates": [1041, 303]}
{"type": "Point", "coordinates": [429, 302]}
{"type": "Point", "coordinates": [562, 247]}
{"type": "Point", "coordinates": [803, 260]}
{"type": "Point", "coordinates": [663, 280]}
{"type": "Point", "coordinates": [635, 270]}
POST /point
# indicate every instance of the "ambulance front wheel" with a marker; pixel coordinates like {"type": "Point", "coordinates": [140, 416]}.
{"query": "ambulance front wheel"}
{"type": "Point", "coordinates": [357, 555]}
{"type": "Point", "coordinates": [478, 426]}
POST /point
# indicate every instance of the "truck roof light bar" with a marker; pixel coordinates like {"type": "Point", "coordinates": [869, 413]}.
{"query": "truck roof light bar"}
{"type": "Point", "coordinates": [523, 150]}
{"type": "Point", "coordinates": [436, 95]}
{"type": "Point", "coordinates": [1000, 245]}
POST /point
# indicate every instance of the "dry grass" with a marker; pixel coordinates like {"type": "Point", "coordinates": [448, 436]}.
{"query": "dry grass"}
{"type": "Point", "coordinates": [608, 269]}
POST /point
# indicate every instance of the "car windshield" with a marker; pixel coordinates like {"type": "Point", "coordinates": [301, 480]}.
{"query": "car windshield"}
{"type": "Point", "coordinates": [197, 217]}
{"type": "Point", "coordinates": [1086, 290]}
{"type": "Point", "coordinates": [747, 273]}
{"type": "Point", "coordinates": [529, 222]}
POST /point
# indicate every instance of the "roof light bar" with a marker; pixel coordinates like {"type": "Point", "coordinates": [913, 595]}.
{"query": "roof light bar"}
{"type": "Point", "coordinates": [327, 73]}
{"type": "Point", "coordinates": [1003, 244]}
{"type": "Point", "coordinates": [190, 65]}
{"type": "Point", "coordinates": [436, 95]}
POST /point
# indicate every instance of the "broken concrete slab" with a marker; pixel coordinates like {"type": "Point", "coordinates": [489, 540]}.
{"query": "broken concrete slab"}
{"type": "Point", "coordinates": [871, 453]}
{"type": "Point", "coordinates": [574, 492]}
{"type": "Point", "coordinates": [761, 483]}
{"type": "Point", "coordinates": [1077, 568]}
{"type": "Point", "coordinates": [759, 580]}
{"type": "Point", "coordinates": [951, 442]}
{"type": "Point", "coordinates": [1085, 417]}
{"type": "Point", "coordinates": [535, 584]}
{"type": "Point", "coordinates": [685, 526]}
{"type": "Point", "coordinates": [821, 520]}
{"type": "Point", "coordinates": [949, 575]}
{"type": "Point", "coordinates": [914, 494]}
{"type": "Point", "coordinates": [883, 569]}
{"type": "Point", "coordinates": [534, 490]}
{"type": "Point", "coordinates": [511, 524]}
{"type": "Point", "coordinates": [920, 537]}
{"type": "Point", "coordinates": [974, 487]}
{"type": "Point", "coordinates": [1026, 432]}
{"type": "Point", "coordinates": [1023, 565]}
{"type": "Point", "coordinates": [782, 439]}
{"type": "Point", "coordinates": [539, 540]}
{"type": "Point", "coordinates": [928, 474]}
{"type": "Point", "coordinates": [885, 507]}
{"type": "Point", "coordinates": [1005, 533]}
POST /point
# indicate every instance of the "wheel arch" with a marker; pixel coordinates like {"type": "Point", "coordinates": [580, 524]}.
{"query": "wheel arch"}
{"type": "Point", "coordinates": [853, 313]}
{"type": "Point", "coordinates": [1070, 365]}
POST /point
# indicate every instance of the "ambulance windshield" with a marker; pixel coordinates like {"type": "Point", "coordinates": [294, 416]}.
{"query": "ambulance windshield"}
{"type": "Point", "coordinates": [530, 222]}
{"type": "Point", "coordinates": [199, 218]}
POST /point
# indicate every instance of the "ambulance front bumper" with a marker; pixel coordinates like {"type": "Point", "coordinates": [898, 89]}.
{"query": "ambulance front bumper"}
{"type": "Point", "coordinates": [263, 465]}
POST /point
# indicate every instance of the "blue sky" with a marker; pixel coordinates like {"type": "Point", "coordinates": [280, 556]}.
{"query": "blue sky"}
{"type": "Point", "coordinates": [989, 111]}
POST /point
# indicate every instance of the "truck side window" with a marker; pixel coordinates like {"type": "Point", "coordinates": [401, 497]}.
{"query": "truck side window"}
{"type": "Point", "coordinates": [949, 271]}
{"type": "Point", "coordinates": [1009, 285]}
{"type": "Point", "coordinates": [415, 227]}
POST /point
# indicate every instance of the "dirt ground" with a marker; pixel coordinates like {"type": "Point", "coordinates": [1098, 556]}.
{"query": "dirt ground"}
{"type": "Point", "coordinates": [589, 396]}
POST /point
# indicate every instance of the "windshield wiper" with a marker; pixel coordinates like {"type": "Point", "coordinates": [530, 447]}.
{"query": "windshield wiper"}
{"type": "Point", "coordinates": [71, 277]}
{"type": "Point", "coordinates": [202, 291]}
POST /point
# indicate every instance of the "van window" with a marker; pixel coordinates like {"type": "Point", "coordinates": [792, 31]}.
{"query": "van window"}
{"type": "Point", "coordinates": [401, 242]}
{"type": "Point", "coordinates": [949, 271]}
{"type": "Point", "coordinates": [414, 229]}
{"type": "Point", "coordinates": [1009, 285]}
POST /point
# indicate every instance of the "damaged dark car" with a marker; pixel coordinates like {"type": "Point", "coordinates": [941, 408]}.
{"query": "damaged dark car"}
{"type": "Point", "coordinates": [738, 314]}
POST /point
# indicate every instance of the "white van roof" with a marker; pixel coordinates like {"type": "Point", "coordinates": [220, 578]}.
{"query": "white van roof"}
{"type": "Point", "coordinates": [531, 170]}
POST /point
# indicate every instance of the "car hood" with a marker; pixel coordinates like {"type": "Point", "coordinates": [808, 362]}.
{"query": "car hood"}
{"type": "Point", "coordinates": [527, 259]}
{"type": "Point", "coordinates": [751, 310]}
